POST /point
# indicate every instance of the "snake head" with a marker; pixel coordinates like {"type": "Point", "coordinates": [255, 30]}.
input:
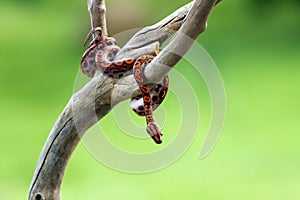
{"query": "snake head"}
{"type": "Point", "coordinates": [155, 132]}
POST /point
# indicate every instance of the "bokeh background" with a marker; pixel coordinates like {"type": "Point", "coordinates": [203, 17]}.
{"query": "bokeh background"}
{"type": "Point", "coordinates": [256, 47]}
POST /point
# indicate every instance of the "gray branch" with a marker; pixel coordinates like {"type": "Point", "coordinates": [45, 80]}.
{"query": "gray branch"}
{"type": "Point", "coordinates": [101, 93]}
{"type": "Point", "coordinates": [97, 11]}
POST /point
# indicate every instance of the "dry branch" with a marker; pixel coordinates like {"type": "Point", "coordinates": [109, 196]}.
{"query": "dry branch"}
{"type": "Point", "coordinates": [100, 94]}
{"type": "Point", "coordinates": [97, 10]}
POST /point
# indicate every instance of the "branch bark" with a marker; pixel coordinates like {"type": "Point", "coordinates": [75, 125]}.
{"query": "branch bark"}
{"type": "Point", "coordinates": [101, 93]}
{"type": "Point", "coordinates": [97, 10]}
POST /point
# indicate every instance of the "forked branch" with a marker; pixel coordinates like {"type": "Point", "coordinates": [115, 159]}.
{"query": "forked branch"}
{"type": "Point", "coordinates": [101, 93]}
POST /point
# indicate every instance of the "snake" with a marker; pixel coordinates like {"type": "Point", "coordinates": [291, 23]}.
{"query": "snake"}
{"type": "Point", "coordinates": [100, 55]}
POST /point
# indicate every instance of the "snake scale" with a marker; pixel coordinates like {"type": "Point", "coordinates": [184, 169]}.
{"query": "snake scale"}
{"type": "Point", "coordinates": [99, 56]}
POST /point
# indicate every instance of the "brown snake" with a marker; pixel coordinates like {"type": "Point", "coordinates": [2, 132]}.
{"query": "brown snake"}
{"type": "Point", "coordinates": [100, 55]}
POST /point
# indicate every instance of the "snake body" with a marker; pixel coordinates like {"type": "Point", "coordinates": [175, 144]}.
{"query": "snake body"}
{"type": "Point", "coordinates": [100, 55]}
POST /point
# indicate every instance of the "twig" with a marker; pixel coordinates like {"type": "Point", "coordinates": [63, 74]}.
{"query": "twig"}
{"type": "Point", "coordinates": [100, 94]}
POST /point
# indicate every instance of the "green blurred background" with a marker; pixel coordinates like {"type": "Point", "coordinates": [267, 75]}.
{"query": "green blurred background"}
{"type": "Point", "coordinates": [254, 43]}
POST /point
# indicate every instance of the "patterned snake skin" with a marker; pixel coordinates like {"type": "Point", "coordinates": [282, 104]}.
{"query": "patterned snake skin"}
{"type": "Point", "coordinates": [100, 55]}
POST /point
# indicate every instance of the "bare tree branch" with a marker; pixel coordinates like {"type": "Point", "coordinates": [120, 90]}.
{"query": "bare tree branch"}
{"type": "Point", "coordinates": [97, 11]}
{"type": "Point", "coordinates": [101, 93]}
{"type": "Point", "coordinates": [194, 24]}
